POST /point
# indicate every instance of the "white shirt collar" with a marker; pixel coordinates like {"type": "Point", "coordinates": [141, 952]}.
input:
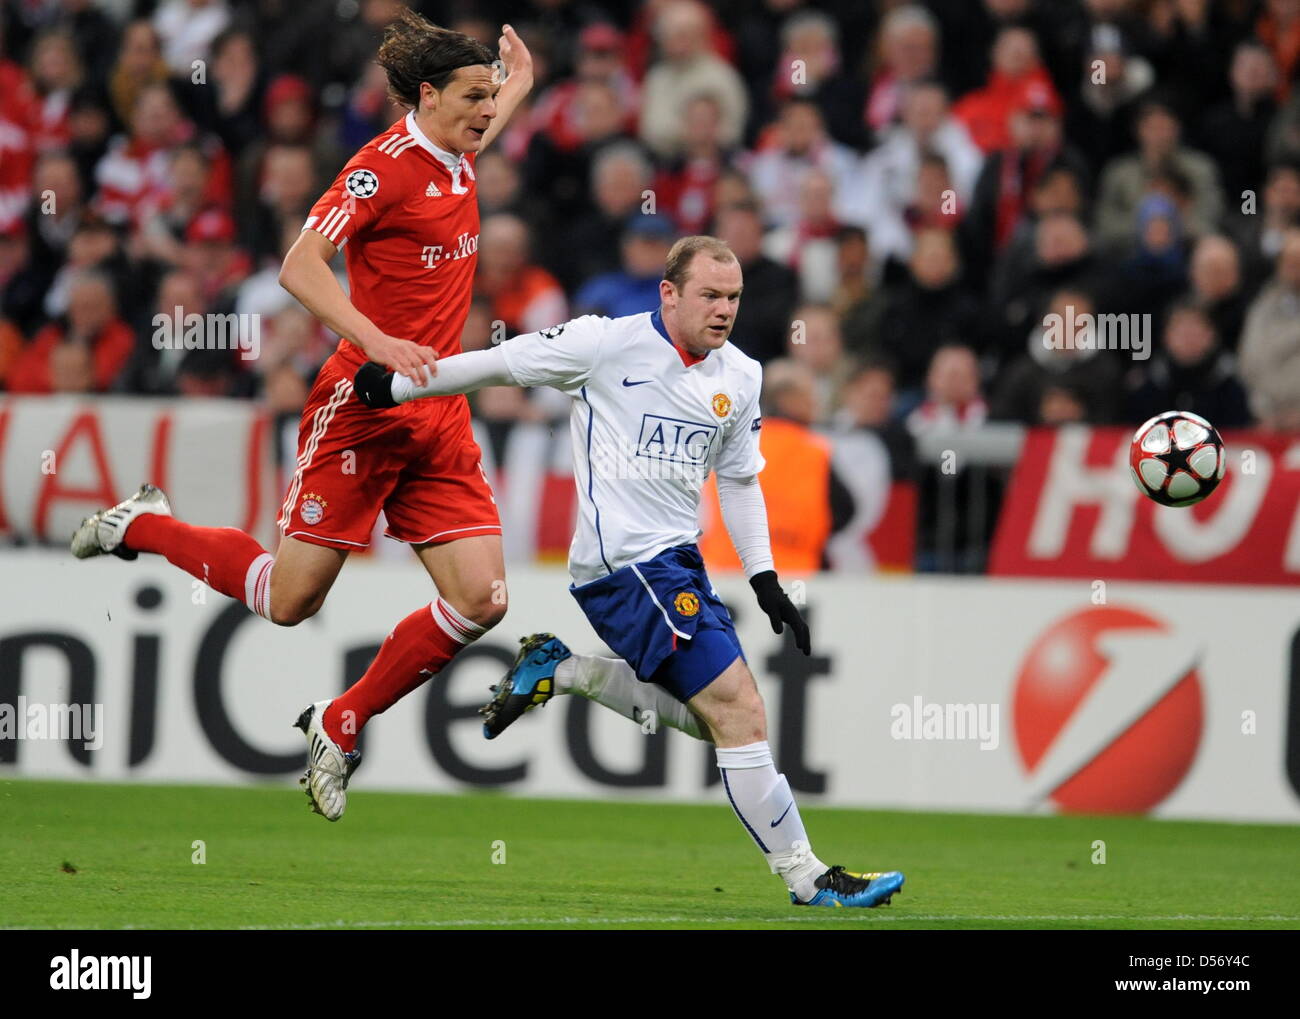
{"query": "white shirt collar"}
{"type": "Point", "coordinates": [447, 159]}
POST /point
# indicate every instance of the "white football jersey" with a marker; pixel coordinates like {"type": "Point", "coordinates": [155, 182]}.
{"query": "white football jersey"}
{"type": "Point", "coordinates": [646, 429]}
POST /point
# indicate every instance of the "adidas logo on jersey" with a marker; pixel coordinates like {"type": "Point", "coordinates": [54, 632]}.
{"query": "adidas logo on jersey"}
{"type": "Point", "coordinates": [432, 191]}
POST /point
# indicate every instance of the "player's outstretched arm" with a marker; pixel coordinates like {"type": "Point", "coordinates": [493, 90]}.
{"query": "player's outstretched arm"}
{"type": "Point", "coordinates": [307, 275]}
{"type": "Point", "coordinates": [460, 373]}
{"type": "Point", "coordinates": [519, 81]}
{"type": "Point", "coordinates": [744, 511]}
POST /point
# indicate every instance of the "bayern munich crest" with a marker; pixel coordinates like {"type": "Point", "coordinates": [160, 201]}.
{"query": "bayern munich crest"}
{"type": "Point", "coordinates": [362, 183]}
{"type": "Point", "coordinates": [312, 509]}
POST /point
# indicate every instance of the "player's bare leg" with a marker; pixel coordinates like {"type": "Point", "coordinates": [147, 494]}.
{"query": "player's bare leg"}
{"type": "Point", "coordinates": [733, 710]}
{"type": "Point", "coordinates": [300, 578]}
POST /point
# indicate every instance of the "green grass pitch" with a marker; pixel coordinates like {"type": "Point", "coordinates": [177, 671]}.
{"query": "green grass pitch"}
{"type": "Point", "coordinates": [112, 856]}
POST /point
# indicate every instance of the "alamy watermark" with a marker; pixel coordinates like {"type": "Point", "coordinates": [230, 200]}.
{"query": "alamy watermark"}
{"type": "Point", "coordinates": [935, 721]}
{"type": "Point", "coordinates": [179, 331]}
{"type": "Point", "coordinates": [1086, 331]}
{"type": "Point", "coordinates": [36, 721]}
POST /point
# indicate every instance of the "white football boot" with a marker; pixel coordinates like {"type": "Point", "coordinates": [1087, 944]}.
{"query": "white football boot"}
{"type": "Point", "coordinates": [328, 767]}
{"type": "Point", "coordinates": [103, 531]}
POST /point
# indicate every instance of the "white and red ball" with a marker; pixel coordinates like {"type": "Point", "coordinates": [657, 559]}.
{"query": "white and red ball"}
{"type": "Point", "coordinates": [1177, 458]}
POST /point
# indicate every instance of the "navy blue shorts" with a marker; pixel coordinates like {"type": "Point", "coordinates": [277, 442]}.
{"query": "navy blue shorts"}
{"type": "Point", "coordinates": [663, 618]}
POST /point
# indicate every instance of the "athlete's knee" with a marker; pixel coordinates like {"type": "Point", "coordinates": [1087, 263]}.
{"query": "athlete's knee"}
{"type": "Point", "coordinates": [289, 608]}
{"type": "Point", "coordinates": [733, 711]}
{"type": "Point", "coordinates": [486, 607]}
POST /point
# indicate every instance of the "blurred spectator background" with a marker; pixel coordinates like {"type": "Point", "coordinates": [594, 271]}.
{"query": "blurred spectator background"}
{"type": "Point", "coordinates": [912, 190]}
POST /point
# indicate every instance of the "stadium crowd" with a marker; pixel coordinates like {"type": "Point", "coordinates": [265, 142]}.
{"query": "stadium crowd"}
{"type": "Point", "coordinates": [912, 190]}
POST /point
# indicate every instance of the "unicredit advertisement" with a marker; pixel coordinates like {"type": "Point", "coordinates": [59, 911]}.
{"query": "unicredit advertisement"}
{"type": "Point", "coordinates": [959, 694]}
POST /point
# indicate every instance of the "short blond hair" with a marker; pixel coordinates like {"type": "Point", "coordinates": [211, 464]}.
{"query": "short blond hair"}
{"type": "Point", "coordinates": [678, 263]}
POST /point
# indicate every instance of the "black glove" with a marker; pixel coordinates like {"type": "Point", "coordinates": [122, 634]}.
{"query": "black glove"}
{"type": "Point", "coordinates": [373, 385]}
{"type": "Point", "coordinates": [779, 608]}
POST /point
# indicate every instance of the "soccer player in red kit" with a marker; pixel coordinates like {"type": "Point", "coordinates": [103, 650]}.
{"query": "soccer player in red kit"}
{"type": "Point", "coordinates": [405, 212]}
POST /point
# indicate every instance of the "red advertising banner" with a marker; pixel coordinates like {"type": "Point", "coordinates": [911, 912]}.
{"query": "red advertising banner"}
{"type": "Point", "coordinates": [1072, 510]}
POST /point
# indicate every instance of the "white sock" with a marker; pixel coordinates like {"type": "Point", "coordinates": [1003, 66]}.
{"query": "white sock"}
{"type": "Point", "coordinates": [762, 800]}
{"type": "Point", "coordinates": [611, 682]}
{"type": "Point", "coordinates": [257, 585]}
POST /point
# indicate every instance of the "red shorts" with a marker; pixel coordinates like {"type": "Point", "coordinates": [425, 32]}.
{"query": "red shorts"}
{"type": "Point", "coordinates": [417, 462]}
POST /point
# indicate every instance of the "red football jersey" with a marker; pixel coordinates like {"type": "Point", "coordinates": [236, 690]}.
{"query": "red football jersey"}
{"type": "Point", "coordinates": [410, 211]}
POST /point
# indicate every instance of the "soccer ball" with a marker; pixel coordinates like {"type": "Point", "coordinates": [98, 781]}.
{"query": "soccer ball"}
{"type": "Point", "coordinates": [1177, 458]}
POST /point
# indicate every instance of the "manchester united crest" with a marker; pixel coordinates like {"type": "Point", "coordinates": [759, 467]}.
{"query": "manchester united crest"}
{"type": "Point", "coordinates": [721, 404]}
{"type": "Point", "coordinates": [687, 603]}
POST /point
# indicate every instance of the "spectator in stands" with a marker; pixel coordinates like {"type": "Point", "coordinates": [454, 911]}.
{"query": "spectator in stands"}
{"type": "Point", "coordinates": [557, 113]}
{"type": "Point", "coordinates": [1156, 271]}
{"type": "Point", "coordinates": [855, 285]}
{"type": "Point", "coordinates": [952, 393]}
{"type": "Point", "coordinates": [1062, 257]}
{"type": "Point", "coordinates": [1017, 71]}
{"type": "Point", "coordinates": [285, 193]}
{"type": "Point", "coordinates": [817, 343]}
{"type": "Point", "coordinates": [808, 245]}
{"type": "Point", "coordinates": [806, 500]}
{"type": "Point", "coordinates": [1217, 287]}
{"type": "Point", "coordinates": [810, 67]}
{"type": "Point", "coordinates": [187, 29]}
{"type": "Point", "coordinates": [56, 210]}
{"type": "Point", "coordinates": [687, 185]}
{"type": "Point", "coordinates": [165, 220]}
{"type": "Point", "coordinates": [1279, 29]}
{"type": "Point", "coordinates": [56, 72]}
{"type": "Point", "coordinates": [211, 255]}
{"type": "Point", "coordinates": [1112, 82]}
{"type": "Point", "coordinates": [688, 68]}
{"type": "Point", "coordinates": [771, 289]}
{"type": "Point", "coordinates": [635, 287]}
{"type": "Point", "coordinates": [501, 189]}
{"type": "Point", "coordinates": [620, 178]}
{"type": "Point", "coordinates": [1235, 131]}
{"type": "Point", "coordinates": [21, 285]}
{"type": "Point", "coordinates": [1262, 233]}
{"type": "Point", "coordinates": [799, 145]}
{"type": "Point", "coordinates": [524, 295]}
{"type": "Point", "coordinates": [135, 175]}
{"type": "Point", "coordinates": [227, 100]}
{"type": "Point", "coordinates": [90, 128]}
{"type": "Point", "coordinates": [94, 245]}
{"type": "Point", "coordinates": [1128, 179]}
{"type": "Point", "coordinates": [563, 174]}
{"type": "Point", "coordinates": [867, 403]}
{"type": "Point", "coordinates": [924, 310]}
{"type": "Point", "coordinates": [1062, 376]}
{"type": "Point", "coordinates": [908, 45]}
{"type": "Point", "coordinates": [1035, 174]}
{"type": "Point", "coordinates": [91, 324]}
{"type": "Point", "coordinates": [884, 196]}
{"type": "Point", "coordinates": [1192, 372]}
{"type": "Point", "coordinates": [139, 65]}
{"type": "Point", "coordinates": [1270, 344]}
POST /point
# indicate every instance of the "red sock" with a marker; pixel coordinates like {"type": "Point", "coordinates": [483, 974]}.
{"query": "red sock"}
{"type": "Point", "coordinates": [419, 646]}
{"type": "Point", "coordinates": [224, 558]}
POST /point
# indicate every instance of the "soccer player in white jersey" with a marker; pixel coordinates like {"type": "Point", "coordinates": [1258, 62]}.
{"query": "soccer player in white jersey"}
{"type": "Point", "coordinates": [660, 400]}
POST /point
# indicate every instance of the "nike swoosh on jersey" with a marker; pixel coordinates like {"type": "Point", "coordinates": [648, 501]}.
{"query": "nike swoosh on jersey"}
{"type": "Point", "coordinates": [643, 382]}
